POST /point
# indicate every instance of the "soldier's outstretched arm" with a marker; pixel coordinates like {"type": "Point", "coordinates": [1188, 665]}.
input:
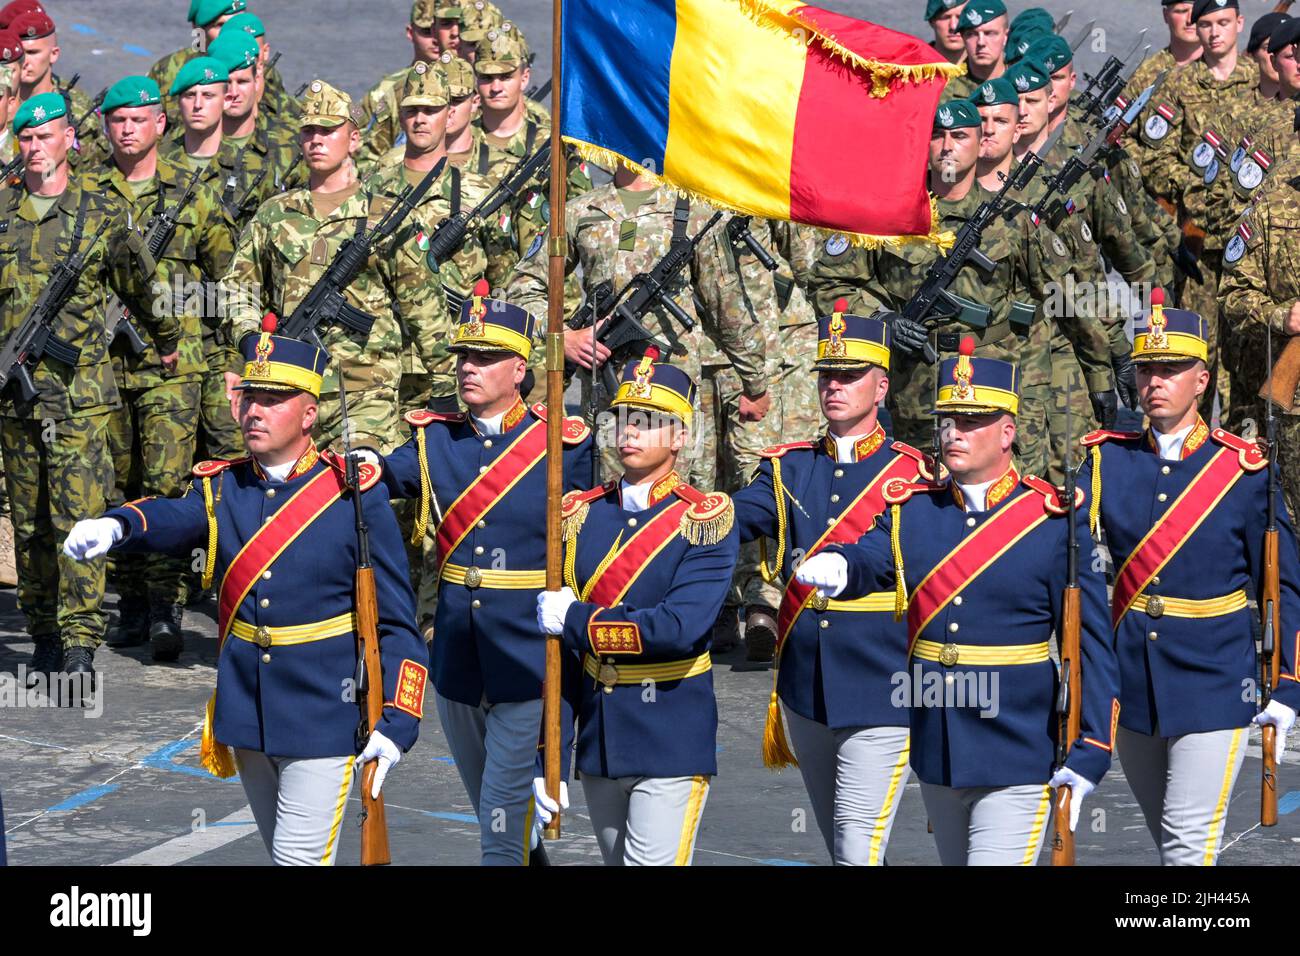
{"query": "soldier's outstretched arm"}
{"type": "Point", "coordinates": [169, 525]}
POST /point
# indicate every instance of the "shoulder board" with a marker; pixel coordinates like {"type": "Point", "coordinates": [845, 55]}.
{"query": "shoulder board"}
{"type": "Point", "coordinates": [898, 490]}
{"type": "Point", "coordinates": [708, 519]}
{"type": "Point", "coordinates": [206, 469]}
{"type": "Point", "coordinates": [368, 473]}
{"type": "Point", "coordinates": [778, 451]}
{"type": "Point", "coordinates": [574, 500]}
{"type": "Point", "coordinates": [1051, 495]}
{"type": "Point", "coordinates": [923, 465]}
{"type": "Point", "coordinates": [422, 417]}
{"type": "Point", "coordinates": [1249, 454]}
{"type": "Point", "coordinates": [1101, 435]}
{"type": "Point", "coordinates": [575, 430]}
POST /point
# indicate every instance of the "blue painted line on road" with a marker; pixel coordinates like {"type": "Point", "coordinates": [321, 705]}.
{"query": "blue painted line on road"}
{"type": "Point", "coordinates": [776, 861]}
{"type": "Point", "coordinates": [444, 760]}
{"type": "Point", "coordinates": [82, 28]}
{"type": "Point", "coordinates": [137, 50]}
{"type": "Point", "coordinates": [84, 797]}
{"type": "Point", "coordinates": [234, 823]}
{"type": "Point", "coordinates": [1289, 802]}
{"type": "Point", "coordinates": [164, 759]}
{"type": "Point", "coordinates": [442, 815]}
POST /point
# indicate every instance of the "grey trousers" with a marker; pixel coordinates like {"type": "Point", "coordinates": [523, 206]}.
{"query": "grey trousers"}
{"type": "Point", "coordinates": [855, 778]}
{"type": "Point", "coordinates": [298, 803]}
{"type": "Point", "coordinates": [495, 749]}
{"type": "Point", "coordinates": [988, 826]}
{"type": "Point", "coordinates": [646, 821]}
{"type": "Point", "coordinates": [1183, 785]}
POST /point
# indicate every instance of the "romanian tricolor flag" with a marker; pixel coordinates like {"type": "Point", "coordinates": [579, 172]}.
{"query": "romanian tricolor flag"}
{"type": "Point", "coordinates": [767, 107]}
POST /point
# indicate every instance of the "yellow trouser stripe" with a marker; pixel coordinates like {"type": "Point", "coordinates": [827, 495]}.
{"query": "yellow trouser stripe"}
{"type": "Point", "coordinates": [636, 673]}
{"type": "Point", "coordinates": [1212, 839]}
{"type": "Point", "coordinates": [887, 810]}
{"type": "Point", "coordinates": [344, 788]}
{"type": "Point", "coordinates": [880, 601]}
{"type": "Point", "coordinates": [297, 633]}
{"type": "Point", "coordinates": [1036, 833]}
{"type": "Point", "coordinates": [528, 828]}
{"type": "Point", "coordinates": [691, 820]}
{"type": "Point", "coordinates": [1186, 607]}
{"type": "Point", "coordinates": [977, 654]}
{"type": "Point", "coordinates": [502, 580]}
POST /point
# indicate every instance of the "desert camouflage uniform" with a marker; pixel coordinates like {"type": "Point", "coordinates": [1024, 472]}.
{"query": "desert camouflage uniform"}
{"type": "Point", "coordinates": [285, 250]}
{"type": "Point", "coordinates": [1261, 283]}
{"type": "Point", "coordinates": [55, 450]}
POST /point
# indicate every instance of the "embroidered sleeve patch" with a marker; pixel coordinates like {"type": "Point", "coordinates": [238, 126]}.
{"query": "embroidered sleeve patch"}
{"type": "Point", "coordinates": [410, 688]}
{"type": "Point", "coordinates": [616, 637]}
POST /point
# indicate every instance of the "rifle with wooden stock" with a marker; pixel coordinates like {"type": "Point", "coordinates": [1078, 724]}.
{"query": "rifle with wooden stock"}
{"type": "Point", "coordinates": [370, 677]}
{"type": "Point", "coordinates": [1270, 612]}
{"type": "Point", "coordinates": [1069, 700]}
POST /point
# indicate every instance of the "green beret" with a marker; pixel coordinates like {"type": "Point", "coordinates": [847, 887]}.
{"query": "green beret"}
{"type": "Point", "coordinates": [935, 7]}
{"type": "Point", "coordinates": [1027, 77]}
{"type": "Point", "coordinates": [131, 91]}
{"type": "Point", "coordinates": [1019, 41]}
{"type": "Point", "coordinates": [1035, 17]}
{"type": "Point", "coordinates": [1049, 52]}
{"type": "Point", "coordinates": [39, 110]}
{"type": "Point", "coordinates": [995, 92]}
{"type": "Point", "coordinates": [957, 114]}
{"type": "Point", "coordinates": [980, 12]}
{"type": "Point", "coordinates": [207, 12]}
{"type": "Point", "coordinates": [199, 71]}
{"type": "Point", "coordinates": [194, 9]}
{"type": "Point", "coordinates": [235, 49]}
{"type": "Point", "coordinates": [250, 23]}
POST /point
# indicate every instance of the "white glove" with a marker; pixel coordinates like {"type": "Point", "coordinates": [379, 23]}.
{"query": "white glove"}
{"type": "Point", "coordinates": [546, 807]}
{"type": "Point", "coordinates": [827, 572]}
{"type": "Point", "coordinates": [1079, 786]}
{"type": "Point", "coordinates": [388, 753]}
{"type": "Point", "coordinates": [1279, 715]}
{"type": "Point", "coordinates": [92, 537]}
{"type": "Point", "coordinates": [551, 608]}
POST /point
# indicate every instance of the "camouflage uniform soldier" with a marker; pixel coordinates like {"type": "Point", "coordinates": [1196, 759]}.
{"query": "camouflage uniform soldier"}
{"type": "Point", "coordinates": [1030, 269]}
{"type": "Point", "coordinates": [984, 28]}
{"type": "Point", "coordinates": [380, 124]}
{"type": "Point", "coordinates": [1185, 152]}
{"type": "Point", "coordinates": [56, 459]}
{"type": "Point", "coordinates": [206, 18]}
{"type": "Point", "coordinates": [245, 115]}
{"type": "Point", "coordinates": [423, 110]}
{"type": "Point", "coordinates": [287, 247]}
{"type": "Point", "coordinates": [476, 18]}
{"type": "Point", "coordinates": [151, 436]}
{"type": "Point", "coordinates": [943, 15]}
{"type": "Point", "coordinates": [281, 107]}
{"type": "Point", "coordinates": [1184, 46]}
{"type": "Point", "coordinates": [463, 134]}
{"type": "Point", "coordinates": [1261, 291]}
{"type": "Point", "coordinates": [615, 232]}
{"type": "Point", "coordinates": [243, 177]}
{"type": "Point", "coordinates": [40, 52]}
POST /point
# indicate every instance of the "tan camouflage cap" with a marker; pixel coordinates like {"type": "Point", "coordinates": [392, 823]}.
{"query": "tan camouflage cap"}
{"type": "Point", "coordinates": [459, 73]}
{"type": "Point", "coordinates": [500, 51]}
{"type": "Point", "coordinates": [425, 12]}
{"type": "Point", "coordinates": [477, 17]}
{"type": "Point", "coordinates": [425, 84]}
{"type": "Point", "coordinates": [324, 105]}
{"type": "Point", "coordinates": [8, 77]}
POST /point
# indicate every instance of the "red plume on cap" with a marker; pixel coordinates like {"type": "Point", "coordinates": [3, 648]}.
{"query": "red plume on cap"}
{"type": "Point", "coordinates": [967, 346]}
{"type": "Point", "coordinates": [652, 352]}
{"type": "Point", "coordinates": [841, 305]}
{"type": "Point", "coordinates": [481, 288]}
{"type": "Point", "coordinates": [269, 322]}
{"type": "Point", "coordinates": [1157, 296]}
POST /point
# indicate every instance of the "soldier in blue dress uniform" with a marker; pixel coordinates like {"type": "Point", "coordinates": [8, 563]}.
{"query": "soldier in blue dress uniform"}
{"type": "Point", "coordinates": [648, 562]}
{"type": "Point", "coordinates": [983, 559]}
{"type": "Point", "coordinates": [279, 531]}
{"type": "Point", "coordinates": [481, 478]}
{"type": "Point", "coordinates": [1184, 508]}
{"type": "Point", "coordinates": [836, 658]}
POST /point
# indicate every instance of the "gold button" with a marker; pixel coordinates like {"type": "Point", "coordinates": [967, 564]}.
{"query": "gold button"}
{"type": "Point", "coordinates": [266, 575]}
{"type": "Point", "coordinates": [473, 578]}
{"type": "Point", "coordinates": [482, 524]}
{"type": "Point", "coordinates": [608, 675]}
{"type": "Point", "coordinates": [266, 658]}
{"type": "Point", "coordinates": [270, 492]}
{"type": "Point", "coordinates": [1162, 497]}
{"type": "Point", "coordinates": [820, 602]}
{"type": "Point", "coordinates": [487, 443]}
{"type": "Point", "coordinates": [1164, 470]}
{"type": "Point", "coordinates": [954, 627]}
{"type": "Point", "coordinates": [263, 637]}
{"type": "Point", "coordinates": [825, 623]}
{"type": "Point", "coordinates": [957, 600]}
{"type": "Point", "coordinates": [631, 522]}
{"type": "Point", "coordinates": [948, 655]}
{"type": "Point", "coordinates": [1155, 606]}
{"type": "Point", "coordinates": [834, 498]}
{"type": "Point", "coordinates": [265, 602]}
{"type": "Point", "coordinates": [1152, 635]}
{"type": "Point", "coordinates": [970, 522]}
{"type": "Point", "coordinates": [476, 604]}
{"type": "Point", "coordinates": [478, 549]}
{"type": "Point", "coordinates": [839, 472]}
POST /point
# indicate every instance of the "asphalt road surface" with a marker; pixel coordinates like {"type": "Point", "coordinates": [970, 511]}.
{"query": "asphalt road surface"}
{"type": "Point", "coordinates": [121, 783]}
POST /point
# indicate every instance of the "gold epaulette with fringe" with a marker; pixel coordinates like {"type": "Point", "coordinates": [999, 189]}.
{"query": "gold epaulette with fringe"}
{"type": "Point", "coordinates": [576, 504]}
{"type": "Point", "coordinates": [709, 518]}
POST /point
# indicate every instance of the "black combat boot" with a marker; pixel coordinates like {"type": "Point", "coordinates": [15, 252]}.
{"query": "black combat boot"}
{"type": "Point", "coordinates": [760, 634]}
{"type": "Point", "coordinates": [47, 658]}
{"type": "Point", "coordinates": [132, 624]}
{"type": "Point", "coordinates": [78, 676]}
{"type": "Point", "coordinates": [165, 632]}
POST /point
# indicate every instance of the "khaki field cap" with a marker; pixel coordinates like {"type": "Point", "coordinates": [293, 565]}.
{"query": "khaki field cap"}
{"type": "Point", "coordinates": [323, 105]}
{"type": "Point", "coordinates": [425, 85]}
